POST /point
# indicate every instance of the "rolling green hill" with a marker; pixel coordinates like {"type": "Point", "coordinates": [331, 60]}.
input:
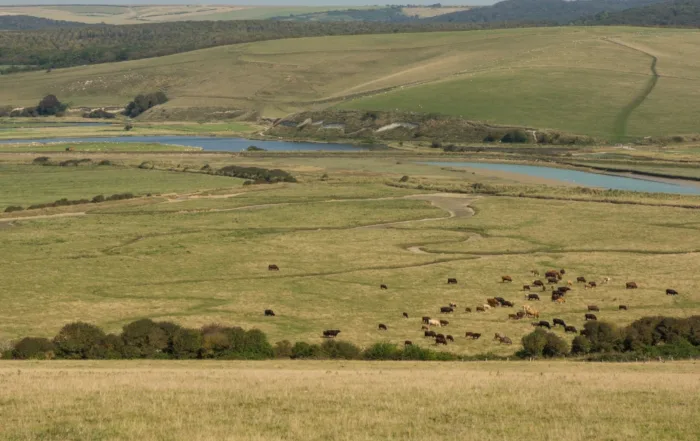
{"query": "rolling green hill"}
{"type": "Point", "coordinates": [573, 79]}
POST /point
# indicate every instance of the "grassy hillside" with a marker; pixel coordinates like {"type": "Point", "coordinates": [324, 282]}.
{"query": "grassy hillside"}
{"type": "Point", "coordinates": [572, 79]}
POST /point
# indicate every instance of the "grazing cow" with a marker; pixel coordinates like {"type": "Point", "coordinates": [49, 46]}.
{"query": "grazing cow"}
{"type": "Point", "coordinates": [330, 333]}
{"type": "Point", "coordinates": [560, 300]}
{"type": "Point", "coordinates": [530, 311]}
{"type": "Point", "coordinates": [569, 283]}
{"type": "Point", "coordinates": [430, 333]}
{"type": "Point", "coordinates": [486, 306]}
{"type": "Point", "coordinates": [446, 310]}
{"type": "Point", "coordinates": [593, 308]}
{"type": "Point", "coordinates": [592, 284]}
{"type": "Point", "coordinates": [551, 273]}
{"type": "Point", "coordinates": [382, 327]}
{"type": "Point", "coordinates": [520, 314]}
{"type": "Point", "coordinates": [543, 324]}
{"type": "Point", "coordinates": [562, 271]}
{"type": "Point", "coordinates": [426, 320]}
{"type": "Point", "coordinates": [472, 335]}
{"type": "Point", "coordinates": [571, 329]}
{"type": "Point", "coordinates": [671, 292]}
{"type": "Point", "coordinates": [526, 287]}
{"type": "Point", "coordinates": [555, 296]}
{"type": "Point", "coordinates": [408, 343]}
{"type": "Point", "coordinates": [533, 297]}
{"type": "Point", "coordinates": [450, 338]}
{"type": "Point", "coordinates": [564, 289]}
{"type": "Point", "coordinates": [453, 305]}
{"type": "Point", "coordinates": [433, 322]}
{"type": "Point", "coordinates": [269, 313]}
{"type": "Point", "coordinates": [451, 281]}
{"type": "Point", "coordinates": [560, 322]}
{"type": "Point", "coordinates": [631, 285]}
{"type": "Point", "coordinates": [552, 280]}
{"type": "Point", "coordinates": [467, 310]}
{"type": "Point", "coordinates": [622, 307]}
{"type": "Point", "coordinates": [424, 328]}
{"type": "Point", "coordinates": [535, 273]}
{"type": "Point", "coordinates": [493, 303]}
{"type": "Point", "coordinates": [505, 340]}
{"type": "Point", "coordinates": [580, 280]}
{"type": "Point", "coordinates": [591, 317]}
{"type": "Point", "coordinates": [405, 315]}
{"type": "Point", "coordinates": [606, 279]}
{"type": "Point", "coordinates": [444, 323]}
{"type": "Point", "coordinates": [440, 340]}
{"type": "Point", "coordinates": [273, 268]}
{"type": "Point", "coordinates": [508, 304]}
{"type": "Point", "coordinates": [506, 279]}
{"type": "Point", "coordinates": [480, 309]}
{"type": "Point", "coordinates": [500, 300]}
{"type": "Point", "coordinates": [513, 316]}
{"type": "Point", "coordinates": [538, 283]}
{"type": "Point", "coordinates": [498, 336]}
{"type": "Point", "coordinates": [382, 286]}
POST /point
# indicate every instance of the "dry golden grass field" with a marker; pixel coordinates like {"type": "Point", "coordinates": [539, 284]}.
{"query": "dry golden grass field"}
{"type": "Point", "coordinates": [319, 401]}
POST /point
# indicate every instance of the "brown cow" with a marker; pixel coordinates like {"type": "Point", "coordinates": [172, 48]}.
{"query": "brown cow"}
{"type": "Point", "coordinates": [671, 292]}
{"type": "Point", "coordinates": [446, 310]}
{"type": "Point", "coordinates": [552, 280]}
{"type": "Point", "coordinates": [631, 285]}
{"type": "Point", "coordinates": [591, 317]}
{"type": "Point", "coordinates": [408, 343]}
{"type": "Point", "coordinates": [405, 315]}
{"type": "Point", "coordinates": [472, 335]}
{"type": "Point", "coordinates": [551, 273]}
{"type": "Point", "coordinates": [426, 320]}
{"type": "Point", "coordinates": [382, 327]}
{"type": "Point", "coordinates": [467, 310]}
{"type": "Point", "coordinates": [538, 283]}
{"type": "Point", "coordinates": [593, 308]}
{"type": "Point", "coordinates": [506, 279]}
{"type": "Point", "coordinates": [424, 328]}
{"type": "Point", "coordinates": [580, 280]}
{"type": "Point", "coordinates": [562, 271]}
{"type": "Point", "coordinates": [382, 286]}
{"type": "Point", "coordinates": [330, 333]}
{"type": "Point", "coordinates": [513, 316]}
{"type": "Point", "coordinates": [526, 287]}
{"type": "Point", "coordinates": [535, 273]}
{"type": "Point", "coordinates": [622, 307]}
{"type": "Point", "coordinates": [444, 323]}
{"type": "Point", "coordinates": [592, 284]}
{"type": "Point", "coordinates": [273, 268]}
{"type": "Point", "coordinates": [450, 338]}
{"type": "Point", "coordinates": [480, 309]}
{"type": "Point", "coordinates": [453, 305]}
{"type": "Point", "coordinates": [451, 281]}
{"type": "Point", "coordinates": [493, 303]}
{"type": "Point", "coordinates": [430, 333]}
{"type": "Point", "coordinates": [560, 300]}
{"type": "Point", "coordinates": [440, 340]}
{"type": "Point", "coordinates": [570, 329]}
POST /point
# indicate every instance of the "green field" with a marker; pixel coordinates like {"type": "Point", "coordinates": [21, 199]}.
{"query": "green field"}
{"type": "Point", "coordinates": [571, 79]}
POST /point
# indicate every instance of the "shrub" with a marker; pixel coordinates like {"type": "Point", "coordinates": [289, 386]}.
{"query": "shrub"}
{"type": "Point", "coordinates": [42, 160]}
{"type": "Point", "coordinates": [97, 199]}
{"type": "Point", "coordinates": [80, 341]}
{"type": "Point", "coordinates": [283, 349]}
{"type": "Point", "coordinates": [603, 336]}
{"type": "Point", "coordinates": [414, 352]}
{"type": "Point", "coordinates": [324, 177]}
{"type": "Point", "coordinates": [74, 162]}
{"type": "Point", "coordinates": [119, 196]}
{"type": "Point", "coordinates": [490, 138]}
{"type": "Point", "coordinates": [404, 178]}
{"type": "Point", "coordinates": [256, 174]}
{"type": "Point", "coordinates": [13, 208]}
{"type": "Point", "coordinates": [33, 348]}
{"type": "Point", "coordinates": [256, 346]}
{"type": "Point", "coordinates": [340, 350]}
{"type": "Point", "coordinates": [50, 105]}
{"type": "Point", "coordinates": [186, 343]}
{"type": "Point", "coordinates": [555, 347]}
{"type": "Point", "coordinates": [302, 350]}
{"type": "Point", "coordinates": [382, 351]}
{"type": "Point", "coordinates": [534, 343]}
{"type": "Point", "coordinates": [113, 347]}
{"type": "Point", "coordinates": [436, 144]}
{"type": "Point", "coordinates": [144, 102]}
{"type": "Point", "coordinates": [146, 165]}
{"type": "Point", "coordinates": [99, 114]}
{"type": "Point", "coordinates": [143, 339]}
{"type": "Point", "coordinates": [128, 126]}
{"type": "Point", "coordinates": [580, 345]}
{"type": "Point", "coordinates": [105, 162]}
{"type": "Point", "coordinates": [253, 148]}
{"type": "Point", "coordinates": [515, 136]}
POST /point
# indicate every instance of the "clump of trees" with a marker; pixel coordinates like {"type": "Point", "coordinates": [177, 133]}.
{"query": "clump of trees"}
{"type": "Point", "coordinates": [144, 102]}
{"type": "Point", "coordinates": [64, 202]}
{"type": "Point", "coordinates": [48, 106]}
{"type": "Point", "coordinates": [99, 114]}
{"type": "Point", "coordinates": [256, 175]}
{"type": "Point", "coordinates": [540, 343]}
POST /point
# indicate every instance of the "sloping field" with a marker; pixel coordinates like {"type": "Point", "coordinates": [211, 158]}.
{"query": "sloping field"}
{"type": "Point", "coordinates": [118, 15]}
{"type": "Point", "coordinates": [582, 80]}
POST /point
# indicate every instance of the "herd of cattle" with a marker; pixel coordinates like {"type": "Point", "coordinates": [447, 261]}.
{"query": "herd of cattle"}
{"type": "Point", "coordinates": [558, 295]}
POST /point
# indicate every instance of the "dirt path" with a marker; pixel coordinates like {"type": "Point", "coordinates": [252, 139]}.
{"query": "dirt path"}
{"type": "Point", "coordinates": [457, 205]}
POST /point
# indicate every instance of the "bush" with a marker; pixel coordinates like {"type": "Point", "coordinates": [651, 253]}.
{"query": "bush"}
{"type": "Point", "coordinates": [13, 208]}
{"type": "Point", "coordinates": [256, 174]}
{"type": "Point", "coordinates": [490, 138]}
{"type": "Point", "coordinates": [335, 349]}
{"type": "Point", "coordinates": [555, 347]}
{"type": "Point", "coordinates": [74, 162]}
{"type": "Point", "coordinates": [603, 336]}
{"type": "Point", "coordinates": [50, 105]}
{"type": "Point", "coordinates": [515, 136]}
{"type": "Point", "coordinates": [144, 339]}
{"type": "Point", "coordinates": [142, 103]}
{"type": "Point", "coordinates": [324, 177]}
{"type": "Point", "coordinates": [253, 148]}
{"type": "Point", "coordinates": [105, 162]}
{"type": "Point", "coordinates": [120, 197]}
{"type": "Point", "coordinates": [80, 341]}
{"type": "Point", "coordinates": [128, 127]}
{"type": "Point", "coordinates": [534, 343]}
{"type": "Point", "coordinates": [146, 165]}
{"type": "Point", "coordinates": [283, 349]}
{"type": "Point", "coordinates": [404, 178]}
{"type": "Point", "coordinates": [186, 344]}
{"type": "Point", "coordinates": [302, 350]}
{"type": "Point", "coordinates": [382, 351]}
{"type": "Point", "coordinates": [33, 348]}
{"type": "Point", "coordinates": [42, 160]}
{"type": "Point", "coordinates": [97, 199]}
{"type": "Point", "coordinates": [256, 346]}
{"type": "Point", "coordinates": [580, 345]}
{"type": "Point", "coordinates": [99, 114]}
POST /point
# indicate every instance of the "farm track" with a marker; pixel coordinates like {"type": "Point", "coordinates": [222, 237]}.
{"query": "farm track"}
{"type": "Point", "coordinates": [620, 129]}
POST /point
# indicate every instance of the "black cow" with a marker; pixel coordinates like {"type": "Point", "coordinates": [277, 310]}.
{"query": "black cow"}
{"type": "Point", "coordinates": [330, 333]}
{"type": "Point", "coordinates": [382, 286]}
{"type": "Point", "coordinates": [269, 313]}
{"type": "Point", "coordinates": [450, 338]}
{"type": "Point", "coordinates": [508, 304]}
{"type": "Point", "coordinates": [444, 323]}
{"type": "Point", "coordinates": [581, 279]}
{"type": "Point", "coordinates": [538, 283]}
{"type": "Point", "coordinates": [552, 280]}
{"type": "Point", "coordinates": [446, 310]}
{"type": "Point", "coordinates": [382, 327]}
{"type": "Point", "coordinates": [622, 307]}
{"type": "Point", "coordinates": [564, 289]}
{"type": "Point", "coordinates": [500, 300]}
{"type": "Point", "coordinates": [405, 315]}
{"type": "Point", "coordinates": [591, 317]}
{"type": "Point", "coordinates": [426, 319]}
{"type": "Point", "coordinates": [440, 340]}
{"type": "Point", "coordinates": [472, 335]}
{"type": "Point", "coordinates": [542, 324]}
{"type": "Point", "coordinates": [526, 287]}
{"type": "Point", "coordinates": [467, 310]}
{"type": "Point", "coordinates": [533, 297]}
{"type": "Point", "coordinates": [273, 268]}
{"type": "Point", "coordinates": [560, 322]}
{"type": "Point", "coordinates": [671, 292]}
{"type": "Point", "coordinates": [593, 308]}
{"type": "Point", "coordinates": [430, 333]}
{"type": "Point", "coordinates": [570, 329]}
{"type": "Point", "coordinates": [451, 281]}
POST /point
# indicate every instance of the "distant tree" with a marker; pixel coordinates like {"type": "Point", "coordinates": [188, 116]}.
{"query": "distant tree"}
{"type": "Point", "coordinates": [50, 105]}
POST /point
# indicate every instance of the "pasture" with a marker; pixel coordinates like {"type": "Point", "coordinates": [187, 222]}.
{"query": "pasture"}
{"type": "Point", "coordinates": [349, 400]}
{"type": "Point", "coordinates": [572, 79]}
{"type": "Point", "coordinates": [197, 251]}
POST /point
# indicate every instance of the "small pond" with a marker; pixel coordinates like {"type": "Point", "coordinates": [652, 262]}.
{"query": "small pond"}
{"type": "Point", "coordinates": [584, 179]}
